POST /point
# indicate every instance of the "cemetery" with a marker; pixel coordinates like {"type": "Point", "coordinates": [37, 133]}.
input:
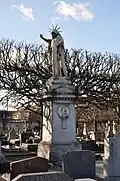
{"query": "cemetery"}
{"type": "Point", "coordinates": [62, 149]}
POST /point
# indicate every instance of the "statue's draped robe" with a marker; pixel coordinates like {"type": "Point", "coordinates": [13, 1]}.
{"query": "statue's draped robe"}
{"type": "Point", "coordinates": [58, 59]}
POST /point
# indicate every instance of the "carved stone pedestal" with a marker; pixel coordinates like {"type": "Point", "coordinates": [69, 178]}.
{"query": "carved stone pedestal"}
{"type": "Point", "coordinates": [59, 121]}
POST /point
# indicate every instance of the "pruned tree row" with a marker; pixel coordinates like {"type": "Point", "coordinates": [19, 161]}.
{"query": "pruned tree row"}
{"type": "Point", "coordinates": [25, 68]}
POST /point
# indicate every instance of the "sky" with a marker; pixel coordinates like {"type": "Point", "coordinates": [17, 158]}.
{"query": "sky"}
{"type": "Point", "coordinates": [92, 24]}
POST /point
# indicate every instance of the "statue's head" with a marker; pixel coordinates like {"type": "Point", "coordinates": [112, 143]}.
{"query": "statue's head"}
{"type": "Point", "coordinates": [55, 31]}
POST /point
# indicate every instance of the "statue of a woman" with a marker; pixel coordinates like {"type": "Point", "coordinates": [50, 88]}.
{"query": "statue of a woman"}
{"type": "Point", "coordinates": [56, 50]}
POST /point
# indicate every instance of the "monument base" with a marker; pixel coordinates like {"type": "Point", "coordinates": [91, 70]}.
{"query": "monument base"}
{"type": "Point", "coordinates": [59, 123]}
{"type": "Point", "coordinates": [57, 150]}
{"type": "Point", "coordinates": [54, 152]}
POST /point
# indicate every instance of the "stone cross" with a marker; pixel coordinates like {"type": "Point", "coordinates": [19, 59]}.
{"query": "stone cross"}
{"type": "Point", "coordinates": [64, 124]}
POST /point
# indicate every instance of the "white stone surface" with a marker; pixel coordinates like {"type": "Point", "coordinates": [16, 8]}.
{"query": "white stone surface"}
{"type": "Point", "coordinates": [59, 131]}
{"type": "Point", "coordinates": [47, 126]}
{"type": "Point", "coordinates": [44, 149]}
{"type": "Point", "coordinates": [55, 129]}
{"type": "Point", "coordinates": [112, 158]}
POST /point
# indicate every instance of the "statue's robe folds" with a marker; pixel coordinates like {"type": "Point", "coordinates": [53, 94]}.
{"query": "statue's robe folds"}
{"type": "Point", "coordinates": [58, 59]}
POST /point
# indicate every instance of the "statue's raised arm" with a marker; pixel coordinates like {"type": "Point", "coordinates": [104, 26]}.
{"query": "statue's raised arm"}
{"type": "Point", "coordinates": [46, 40]}
{"type": "Point", "coordinates": [57, 55]}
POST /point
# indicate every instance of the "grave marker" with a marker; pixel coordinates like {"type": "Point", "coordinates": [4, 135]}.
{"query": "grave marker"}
{"type": "Point", "coordinates": [79, 164]}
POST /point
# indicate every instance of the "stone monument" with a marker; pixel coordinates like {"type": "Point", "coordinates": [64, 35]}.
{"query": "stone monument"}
{"type": "Point", "coordinates": [59, 119]}
{"type": "Point", "coordinates": [12, 134]}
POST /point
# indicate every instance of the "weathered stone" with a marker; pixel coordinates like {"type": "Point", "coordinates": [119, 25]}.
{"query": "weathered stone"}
{"type": "Point", "coordinates": [89, 145]}
{"type": "Point", "coordinates": [29, 128]}
{"type": "Point", "coordinates": [29, 165]}
{"type": "Point", "coordinates": [23, 137]}
{"type": "Point", "coordinates": [44, 149]}
{"type": "Point", "coordinates": [26, 136]}
{"type": "Point", "coordinates": [4, 167]}
{"type": "Point", "coordinates": [85, 179]}
{"type": "Point", "coordinates": [112, 158]}
{"type": "Point", "coordinates": [48, 176]}
{"type": "Point", "coordinates": [79, 164]}
{"type": "Point", "coordinates": [2, 158]}
{"type": "Point", "coordinates": [59, 120]}
{"type": "Point", "coordinates": [12, 134]}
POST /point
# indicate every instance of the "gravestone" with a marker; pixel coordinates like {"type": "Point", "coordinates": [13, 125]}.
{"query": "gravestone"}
{"type": "Point", "coordinates": [29, 128]}
{"type": "Point", "coordinates": [12, 134]}
{"type": "Point", "coordinates": [4, 166]}
{"type": "Point", "coordinates": [28, 165]}
{"type": "Point", "coordinates": [2, 158]}
{"type": "Point", "coordinates": [89, 145]}
{"type": "Point", "coordinates": [48, 176]}
{"type": "Point", "coordinates": [30, 140]}
{"type": "Point", "coordinates": [59, 120]}
{"type": "Point", "coordinates": [112, 158]}
{"type": "Point", "coordinates": [79, 164]}
{"type": "Point", "coordinates": [25, 136]}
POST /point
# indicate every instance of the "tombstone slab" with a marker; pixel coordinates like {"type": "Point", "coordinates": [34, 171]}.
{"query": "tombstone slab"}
{"type": "Point", "coordinates": [48, 176]}
{"type": "Point", "coordinates": [12, 134]}
{"type": "Point", "coordinates": [79, 164]}
{"type": "Point", "coordinates": [29, 165]}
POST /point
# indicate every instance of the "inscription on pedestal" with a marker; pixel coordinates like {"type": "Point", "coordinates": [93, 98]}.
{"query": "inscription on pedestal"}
{"type": "Point", "coordinates": [64, 124]}
{"type": "Point", "coordinates": [63, 112]}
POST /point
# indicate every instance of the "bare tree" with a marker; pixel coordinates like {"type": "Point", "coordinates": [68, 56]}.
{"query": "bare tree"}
{"type": "Point", "coordinates": [96, 119]}
{"type": "Point", "coordinates": [25, 69]}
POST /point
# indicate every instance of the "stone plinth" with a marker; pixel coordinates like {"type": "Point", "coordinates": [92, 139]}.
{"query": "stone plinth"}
{"type": "Point", "coordinates": [59, 121]}
{"type": "Point", "coordinates": [48, 176]}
